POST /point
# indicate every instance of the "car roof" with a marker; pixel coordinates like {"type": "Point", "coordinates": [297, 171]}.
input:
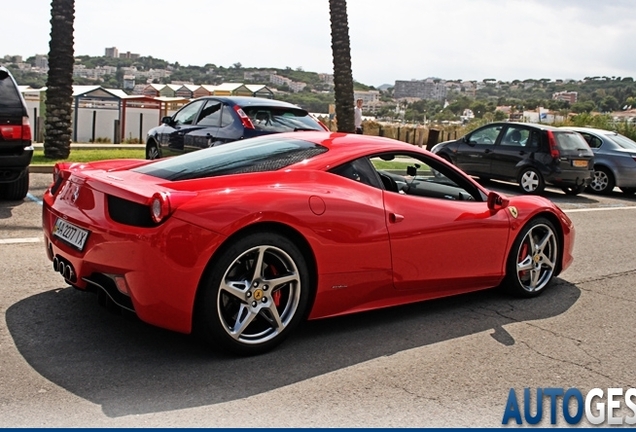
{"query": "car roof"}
{"type": "Point", "coordinates": [590, 130]}
{"type": "Point", "coordinates": [540, 126]}
{"type": "Point", "coordinates": [348, 146]}
{"type": "Point", "coordinates": [244, 101]}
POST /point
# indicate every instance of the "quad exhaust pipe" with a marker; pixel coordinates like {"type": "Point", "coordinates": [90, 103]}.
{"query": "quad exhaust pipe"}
{"type": "Point", "coordinates": [64, 268]}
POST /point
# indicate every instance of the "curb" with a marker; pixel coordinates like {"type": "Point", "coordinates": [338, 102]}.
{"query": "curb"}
{"type": "Point", "coordinates": [41, 169]}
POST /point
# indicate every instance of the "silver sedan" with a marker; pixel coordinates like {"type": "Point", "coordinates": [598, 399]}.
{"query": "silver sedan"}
{"type": "Point", "coordinates": [614, 160]}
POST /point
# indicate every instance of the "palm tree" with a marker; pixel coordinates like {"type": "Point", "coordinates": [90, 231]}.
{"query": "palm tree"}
{"type": "Point", "coordinates": [59, 83]}
{"type": "Point", "coordinates": [342, 76]}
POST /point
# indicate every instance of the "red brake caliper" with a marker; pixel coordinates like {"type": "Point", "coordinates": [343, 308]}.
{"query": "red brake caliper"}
{"type": "Point", "coordinates": [276, 295]}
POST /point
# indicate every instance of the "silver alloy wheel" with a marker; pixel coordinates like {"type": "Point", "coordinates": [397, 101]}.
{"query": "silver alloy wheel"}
{"type": "Point", "coordinates": [536, 258]}
{"type": "Point", "coordinates": [152, 152]}
{"type": "Point", "coordinates": [530, 181]}
{"type": "Point", "coordinates": [259, 295]}
{"type": "Point", "coordinates": [600, 181]}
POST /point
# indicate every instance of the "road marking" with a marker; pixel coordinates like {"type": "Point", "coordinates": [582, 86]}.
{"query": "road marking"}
{"type": "Point", "coordinates": [34, 198]}
{"type": "Point", "coordinates": [20, 240]}
{"type": "Point", "coordinates": [599, 209]}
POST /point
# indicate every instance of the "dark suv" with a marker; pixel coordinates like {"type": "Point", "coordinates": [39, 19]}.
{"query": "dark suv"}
{"type": "Point", "coordinates": [16, 149]}
{"type": "Point", "coordinates": [531, 155]}
{"type": "Point", "coordinates": [215, 120]}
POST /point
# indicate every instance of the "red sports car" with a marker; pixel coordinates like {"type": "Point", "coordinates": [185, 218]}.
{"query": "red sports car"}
{"type": "Point", "coordinates": [244, 241]}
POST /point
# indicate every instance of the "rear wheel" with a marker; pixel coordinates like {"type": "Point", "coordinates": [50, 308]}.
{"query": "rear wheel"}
{"type": "Point", "coordinates": [17, 189]}
{"type": "Point", "coordinates": [530, 181]}
{"type": "Point", "coordinates": [602, 181]}
{"type": "Point", "coordinates": [256, 294]}
{"type": "Point", "coordinates": [533, 259]}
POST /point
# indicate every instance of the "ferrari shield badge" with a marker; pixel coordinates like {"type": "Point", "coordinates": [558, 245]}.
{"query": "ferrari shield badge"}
{"type": "Point", "coordinates": [513, 211]}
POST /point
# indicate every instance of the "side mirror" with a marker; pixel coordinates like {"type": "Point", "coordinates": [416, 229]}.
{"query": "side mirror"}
{"type": "Point", "coordinates": [496, 201]}
{"type": "Point", "coordinates": [167, 120]}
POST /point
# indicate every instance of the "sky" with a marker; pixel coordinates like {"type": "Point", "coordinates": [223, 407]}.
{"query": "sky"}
{"type": "Point", "coordinates": [390, 40]}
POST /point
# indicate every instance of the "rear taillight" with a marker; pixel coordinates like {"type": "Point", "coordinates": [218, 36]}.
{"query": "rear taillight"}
{"type": "Point", "coordinates": [247, 122]}
{"type": "Point", "coordinates": [159, 207]}
{"type": "Point", "coordinates": [17, 132]}
{"type": "Point", "coordinates": [554, 148]}
{"type": "Point", "coordinates": [60, 172]}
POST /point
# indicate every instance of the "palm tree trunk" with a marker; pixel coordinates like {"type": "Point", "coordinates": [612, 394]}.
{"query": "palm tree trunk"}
{"type": "Point", "coordinates": [59, 83]}
{"type": "Point", "coordinates": [342, 75]}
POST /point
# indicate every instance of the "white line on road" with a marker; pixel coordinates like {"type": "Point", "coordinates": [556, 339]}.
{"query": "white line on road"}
{"type": "Point", "coordinates": [20, 240]}
{"type": "Point", "coordinates": [34, 198]}
{"type": "Point", "coordinates": [599, 209]}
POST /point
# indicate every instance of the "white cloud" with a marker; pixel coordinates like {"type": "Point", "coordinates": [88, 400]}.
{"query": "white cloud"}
{"type": "Point", "coordinates": [402, 39]}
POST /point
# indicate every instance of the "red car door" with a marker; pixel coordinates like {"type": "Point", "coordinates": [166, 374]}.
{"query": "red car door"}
{"type": "Point", "coordinates": [445, 246]}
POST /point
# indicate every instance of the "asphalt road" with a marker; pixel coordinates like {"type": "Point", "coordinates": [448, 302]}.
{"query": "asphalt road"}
{"type": "Point", "coordinates": [66, 362]}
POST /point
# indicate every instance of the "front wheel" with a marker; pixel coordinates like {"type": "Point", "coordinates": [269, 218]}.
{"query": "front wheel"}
{"type": "Point", "coordinates": [533, 259]}
{"type": "Point", "coordinates": [152, 151]}
{"type": "Point", "coordinates": [256, 293]}
{"type": "Point", "coordinates": [531, 181]}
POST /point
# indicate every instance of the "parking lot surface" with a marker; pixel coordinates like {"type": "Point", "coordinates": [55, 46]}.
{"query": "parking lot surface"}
{"type": "Point", "coordinates": [67, 362]}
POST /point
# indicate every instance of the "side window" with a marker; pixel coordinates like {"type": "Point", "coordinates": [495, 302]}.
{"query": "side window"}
{"type": "Point", "coordinates": [210, 114]}
{"type": "Point", "coordinates": [358, 170]}
{"type": "Point", "coordinates": [593, 141]}
{"type": "Point", "coordinates": [226, 116]}
{"type": "Point", "coordinates": [417, 175]}
{"type": "Point", "coordinates": [188, 113]}
{"type": "Point", "coordinates": [533, 141]}
{"type": "Point", "coordinates": [516, 136]}
{"type": "Point", "coordinates": [487, 135]}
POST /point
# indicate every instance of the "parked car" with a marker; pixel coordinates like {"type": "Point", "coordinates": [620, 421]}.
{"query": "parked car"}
{"type": "Point", "coordinates": [245, 240]}
{"type": "Point", "coordinates": [16, 148]}
{"type": "Point", "coordinates": [614, 160]}
{"type": "Point", "coordinates": [210, 121]}
{"type": "Point", "coordinates": [531, 155]}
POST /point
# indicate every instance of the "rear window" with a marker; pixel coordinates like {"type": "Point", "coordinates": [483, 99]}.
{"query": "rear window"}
{"type": "Point", "coordinates": [623, 141]}
{"type": "Point", "coordinates": [568, 140]}
{"type": "Point", "coordinates": [280, 119]}
{"type": "Point", "coordinates": [267, 153]}
{"type": "Point", "coordinates": [10, 99]}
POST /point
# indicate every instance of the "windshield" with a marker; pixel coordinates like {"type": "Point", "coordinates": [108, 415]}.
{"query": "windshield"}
{"type": "Point", "coordinates": [267, 153]}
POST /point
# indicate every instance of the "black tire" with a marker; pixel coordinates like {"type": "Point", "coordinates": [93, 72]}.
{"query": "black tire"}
{"type": "Point", "coordinates": [533, 259]}
{"type": "Point", "coordinates": [602, 181]}
{"type": "Point", "coordinates": [17, 189]}
{"type": "Point", "coordinates": [152, 151]}
{"type": "Point", "coordinates": [530, 181]}
{"type": "Point", "coordinates": [628, 190]}
{"type": "Point", "coordinates": [573, 190]}
{"type": "Point", "coordinates": [227, 301]}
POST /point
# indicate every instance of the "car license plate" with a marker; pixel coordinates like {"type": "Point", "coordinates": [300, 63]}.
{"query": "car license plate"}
{"type": "Point", "coordinates": [70, 233]}
{"type": "Point", "coordinates": [579, 163]}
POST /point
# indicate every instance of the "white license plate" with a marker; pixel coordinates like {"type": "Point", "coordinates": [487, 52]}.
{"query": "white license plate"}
{"type": "Point", "coordinates": [579, 163]}
{"type": "Point", "coordinates": [70, 233]}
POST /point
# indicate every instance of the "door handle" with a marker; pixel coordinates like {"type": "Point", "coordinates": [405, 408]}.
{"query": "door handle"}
{"type": "Point", "coordinates": [487, 151]}
{"type": "Point", "coordinates": [395, 217]}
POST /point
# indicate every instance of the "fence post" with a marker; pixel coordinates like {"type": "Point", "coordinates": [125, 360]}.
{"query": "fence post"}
{"type": "Point", "coordinates": [117, 132]}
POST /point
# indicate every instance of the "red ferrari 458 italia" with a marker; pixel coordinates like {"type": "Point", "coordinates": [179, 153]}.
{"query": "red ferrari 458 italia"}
{"type": "Point", "coordinates": [243, 241]}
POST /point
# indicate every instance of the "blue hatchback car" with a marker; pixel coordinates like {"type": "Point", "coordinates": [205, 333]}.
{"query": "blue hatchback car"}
{"type": "Point", "coordinates": [213, 120]}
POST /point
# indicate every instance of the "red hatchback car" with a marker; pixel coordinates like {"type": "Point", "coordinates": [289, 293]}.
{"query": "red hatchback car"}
{"type": "Point", "coordinates": [245, 240]}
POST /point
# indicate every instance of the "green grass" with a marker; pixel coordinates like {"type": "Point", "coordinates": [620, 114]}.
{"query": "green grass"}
{"type": "Point", "coordinates": [86, 155]}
